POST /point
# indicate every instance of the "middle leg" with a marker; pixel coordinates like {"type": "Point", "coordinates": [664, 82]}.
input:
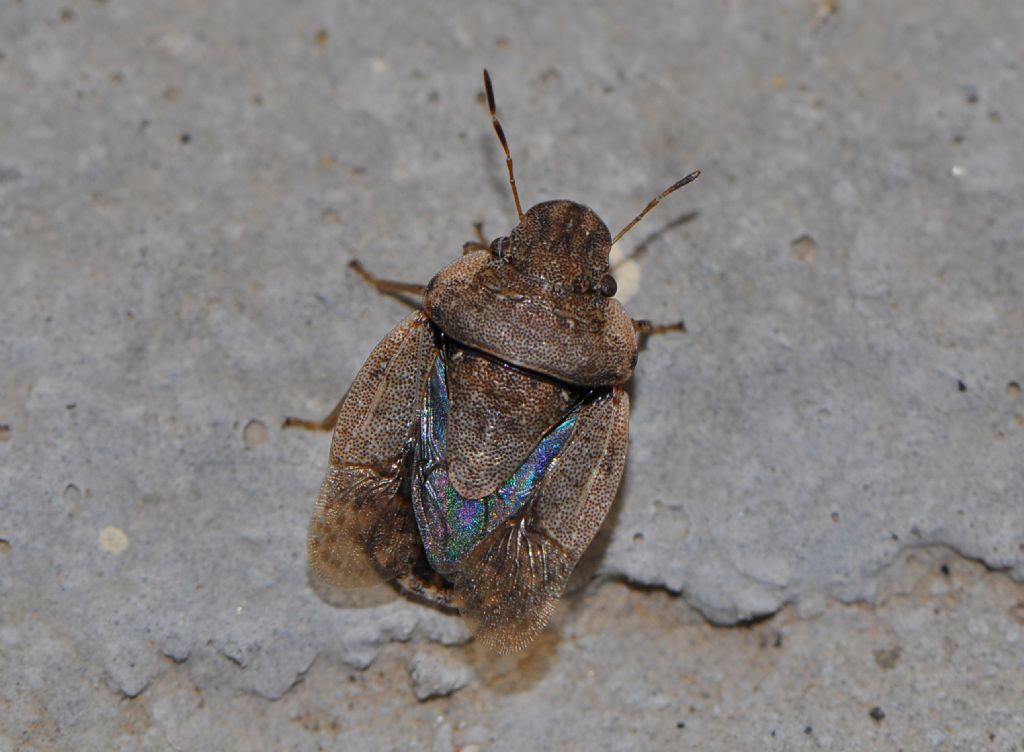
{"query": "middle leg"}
{"type": "Point", "coordinates": [645, 327]}
{"type": "Point", "coordinates": [386, 286]}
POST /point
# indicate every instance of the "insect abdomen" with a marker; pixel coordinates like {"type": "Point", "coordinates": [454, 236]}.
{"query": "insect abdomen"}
{"type": "Point", "coordinates": [450, 524]}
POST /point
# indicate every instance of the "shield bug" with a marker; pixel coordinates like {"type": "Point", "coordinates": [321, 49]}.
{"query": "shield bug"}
{"type": "Point", "coordinates": [479, 448]}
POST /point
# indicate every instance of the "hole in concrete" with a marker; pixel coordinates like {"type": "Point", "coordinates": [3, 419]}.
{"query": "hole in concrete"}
{"type": "Point", "coordinates": [804, 248]}
{"type": "Point", "coordinates": [255, 433]}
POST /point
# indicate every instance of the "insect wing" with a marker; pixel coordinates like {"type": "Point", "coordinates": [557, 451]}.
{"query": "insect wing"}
{"type": "Point", "coordinates": [510, 582]}
{"type": "Point", "coordinates": [363, 531]}
{"type": "Point", "coordinates": [449, 523]}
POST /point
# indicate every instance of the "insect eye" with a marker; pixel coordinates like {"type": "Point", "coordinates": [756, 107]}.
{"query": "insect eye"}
{"type": "Point", "coordinates": [499, 247]}
{"type": "Point", "coordinates": [607, 286]}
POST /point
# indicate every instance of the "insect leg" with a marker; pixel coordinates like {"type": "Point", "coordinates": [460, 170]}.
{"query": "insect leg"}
{"type": "Point", "coordinates": [480, 244]}
{"type": "Point", "coordinates": [425, 584]}
{"type": "Point", "coordinates": [387, 286]}
{"type": "Point", "coordinates": [327, 424]}
{"type": "Point", "coordinates": [645, 327]}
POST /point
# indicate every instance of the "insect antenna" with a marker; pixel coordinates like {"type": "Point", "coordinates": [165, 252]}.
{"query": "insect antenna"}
{"type": "Point", "coordinates": [501, 137]}
{"type": "Point", "coordinates": [654, 201]}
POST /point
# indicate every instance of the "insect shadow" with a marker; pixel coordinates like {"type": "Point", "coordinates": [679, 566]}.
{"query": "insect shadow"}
{"type": "Point", "coordinates": [642, 247]}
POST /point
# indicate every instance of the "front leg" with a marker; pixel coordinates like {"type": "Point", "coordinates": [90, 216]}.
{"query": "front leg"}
{"type": "Point", "coordinates": [644, 328]}
{"type": "Point", "coordinates": [383, 286]}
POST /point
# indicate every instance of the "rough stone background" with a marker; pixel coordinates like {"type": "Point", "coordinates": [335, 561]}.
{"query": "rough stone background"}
{"type": "Point", "coordinates": [836, 445]}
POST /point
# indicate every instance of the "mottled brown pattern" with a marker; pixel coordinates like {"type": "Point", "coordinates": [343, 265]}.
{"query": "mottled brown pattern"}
{"type": "Point", "coordinates": [362, 530]}
{"type": "Point", "coordinates": [487, 441]}
{"type": "Point", "coordinates": [383, 403]}
{"type": "Point", "coordinates": [577, 493]}
{"type": "Point", "coordinates": [563, 243]}
{"type": "Point", "coordinates": [514, 305]}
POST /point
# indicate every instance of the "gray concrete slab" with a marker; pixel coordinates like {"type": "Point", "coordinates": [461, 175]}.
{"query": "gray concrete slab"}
{"type": "Point", "coordinates": [181, 186]}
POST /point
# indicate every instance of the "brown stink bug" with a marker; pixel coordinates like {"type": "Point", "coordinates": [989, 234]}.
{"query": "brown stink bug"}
{"type": "Point", "coordinates": [478, 450]}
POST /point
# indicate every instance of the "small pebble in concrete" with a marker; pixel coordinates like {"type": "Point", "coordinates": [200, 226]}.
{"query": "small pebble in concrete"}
{"type": "Point", "coordinates": [113, 540]}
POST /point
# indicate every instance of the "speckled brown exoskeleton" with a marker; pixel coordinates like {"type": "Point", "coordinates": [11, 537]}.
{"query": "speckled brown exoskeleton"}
{"type": "Point", "coordinates": [479, 448]}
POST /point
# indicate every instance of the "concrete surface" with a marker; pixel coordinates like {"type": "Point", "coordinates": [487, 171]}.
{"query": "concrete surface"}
{"type": "Point", "coordinates": [181, 185]}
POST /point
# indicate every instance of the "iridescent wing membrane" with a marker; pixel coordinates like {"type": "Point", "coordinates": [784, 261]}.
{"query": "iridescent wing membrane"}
{"type": "Point", "coordinates": [388, 497]}
{"type": "Point", "coordinates": [451, 524]}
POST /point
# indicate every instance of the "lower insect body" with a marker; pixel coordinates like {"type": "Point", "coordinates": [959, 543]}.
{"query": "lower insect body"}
{"type": "Point", "coordinates": [387, 510]}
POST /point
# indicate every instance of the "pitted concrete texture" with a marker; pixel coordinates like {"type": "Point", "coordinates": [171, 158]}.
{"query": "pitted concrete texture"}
{"type": "Point", "coordinates": [934, 664]}
{"type": "Point", "coordinates": [181, 186]}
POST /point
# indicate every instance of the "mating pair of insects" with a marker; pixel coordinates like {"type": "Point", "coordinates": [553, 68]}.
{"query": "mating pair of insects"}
{"type": "Point", "coordinates": [478, 450]}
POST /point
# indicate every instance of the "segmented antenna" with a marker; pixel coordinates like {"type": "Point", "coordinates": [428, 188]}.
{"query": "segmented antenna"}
{"type": "Point", "coordinates": [501, 137]}
{"type": "Point", "coordinates": [654, 201]}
